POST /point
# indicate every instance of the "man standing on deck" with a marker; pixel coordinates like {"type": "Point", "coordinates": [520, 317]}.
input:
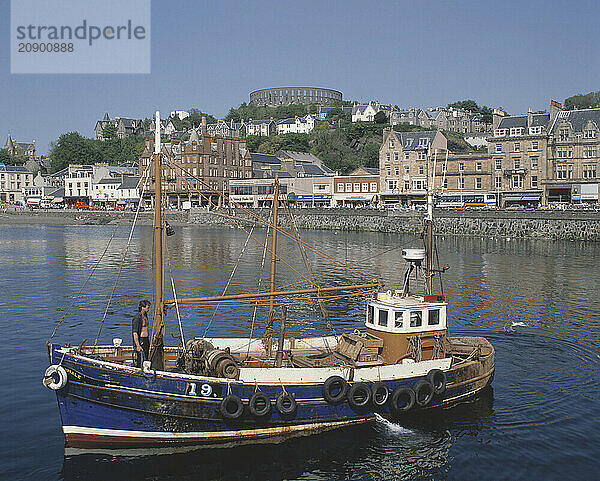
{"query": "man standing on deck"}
{"type": "Point", "coordinates": [139, 326]}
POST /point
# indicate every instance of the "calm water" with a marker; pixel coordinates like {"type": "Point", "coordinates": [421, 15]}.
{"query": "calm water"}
{"type": "Point", "coordinates": [540, 420]}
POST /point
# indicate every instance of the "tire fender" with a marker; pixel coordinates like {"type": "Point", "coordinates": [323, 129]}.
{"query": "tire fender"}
{"type": "Point", "coordinates": [55, 377]}
{"type": "Point", "coordinates": [335, 389]}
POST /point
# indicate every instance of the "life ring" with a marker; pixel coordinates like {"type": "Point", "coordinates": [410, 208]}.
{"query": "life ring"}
{"type": "Point", "coordinates": [259, 405]}
{"type": "Point", "coordinates": [379, 393]}
{"type": "Point", "coordinates": [437, 378]}
{"type": "Point", "coordinates": [286, 404]}
{"type": "Point", "coordinates": [231, 407]}
{"type": "Point", "coordinates": [402, 400]}
{"type": "Point", "coordinates": [335, 389]}
{"type": "Point", "coordinates": [55, 377]}
{"type": "Point", "coordinates": [423, 392]}
{"type": "Point", "coordinates": [359, 395]}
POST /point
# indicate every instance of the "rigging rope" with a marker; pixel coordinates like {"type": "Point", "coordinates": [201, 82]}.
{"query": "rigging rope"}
{"type": "Point", "coordinates": [175, 295]}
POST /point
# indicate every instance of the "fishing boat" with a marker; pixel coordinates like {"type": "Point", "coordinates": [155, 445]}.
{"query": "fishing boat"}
{"type": "Point", "coordinates": [223, 392]}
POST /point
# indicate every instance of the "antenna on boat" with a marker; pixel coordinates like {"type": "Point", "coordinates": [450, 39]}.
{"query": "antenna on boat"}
{"type": "Point", "coordinates": [269, 330]}
{"type": "Point", "coordinates": [156, 351]}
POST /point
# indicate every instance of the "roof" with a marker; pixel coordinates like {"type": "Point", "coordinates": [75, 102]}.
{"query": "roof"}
{"type": "Point", "coordinates": [371, 170]}
{"type": "Point", "coordinates": [15, 169]}
{"type": "Point", "coordinates": [259, 122]}
{"type": "Point", "coordinates": [516, 121]}
{"type": "Point", "coordinates": [109, 180]}
{"type": "Point", "coordinates": [577, 118]}
{"type": "Point", "coordinates": [412, 140]}
{"type": "Point", "coordinates": [60, 192]}
{"type": "Point", "coordinates": [130, 182]}
{"type": "Point", "coordinates": [299, 156]}
{"type": "Point", "coordinates": [265, 158]}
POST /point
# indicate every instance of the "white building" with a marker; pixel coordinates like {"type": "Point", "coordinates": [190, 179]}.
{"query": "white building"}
{"type": "Point", "coordinates": [366, 112]}
{"type": "Point", "coordinates": [13, 178]}
{"type": "Point", "coordinates": [263, 128]}
{"type": "Point", "coordinates": [181, 114]}
{"type": "Point", "coordinates": [297, 125]}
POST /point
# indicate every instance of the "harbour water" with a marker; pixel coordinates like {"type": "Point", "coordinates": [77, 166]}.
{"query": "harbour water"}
{"type": "Point", "coordinates": [536, 301]}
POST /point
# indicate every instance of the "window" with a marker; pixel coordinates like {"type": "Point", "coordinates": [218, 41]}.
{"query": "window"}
{"type": "Point", "coordinates": [534, 162]}
{"type": "Point", "coordinates": [370, 314]}
{"type": "Point", "coordinates": [365, 187]}
{"type": "Point", "coordinates": [387, 156]}
{"type": "Point", "coordinates": [392, 185]}
{"type": "Point", "coordinates": [589, 134]}
{"type": "Point", "coordinates": [534, 181]}
{"type": "Point", "coordinates": [406, 155]}
{"type": "Point", "coordinates": [500, 132]}
{"type": "Point", "coordinates": [498, 182]}
{"type": "Point", "coordinates": [406, 185]}
{"type": "Point", "coordinates": [498, 147]}
{"type": "Point", "coordinates": [478, 166]}
{"type": "Point", "coordinates": [564, 153]}
{"type": "Point", "coordinates": [416, 319]}
{"type": "Point", "coordinates": [418, 184]}
{"type": "Point", "coordinates": [561, 172]}
{"type": "Point", "coordinates": [517, 162]}
{"type": "Point", "coordinates": [535, 130]}
{"type": "Point", "coordinates": [340, 187]}
{"type": "Point", "coordinates": [589, 151]}
{"type": "Point", "coordinates": [356, 187]}
{"type": "Point", "coordinates": [461, 183]}
{"type": "Point", "coordinates": [383, 318]}
{"type": "Point", "coordinates": [406, 170]}
{"type": "Point", "coordinates": [396, 156]}
{"type": "Point", "coordinates": [563, 134]}
{"type": "Point", "coordinates": [434, 317]}
{"type": "Point", "coordinates": [517, 146]}
{"type": "Point", "coordinates": [423, 142]}
{"type": "Point", "coordinates": [445, 183]}
{"type": "Point", "coordinates": [461, 166]}
{"type": "Point", "coordinates": [589, 171]}
{"type": "Point", "coordinates": [498, 163]}
{"type": "Point", "coordinates": [373, 186]}
{"type": "Point", "coordinates": [517, 181]}
{"type": "Point", "coordinates": [516, 131]}
{"type": "Point", "coordinates": [534, 145]}
{"type": "Point", "coordinates": [397, 171]}
{"type": "Point", "coordinates": [348, 187]}
{"type": "Point", "coordinates": [478, 182]}
{"type": "Point", "coordinates": [398, 318]}
{"type": "Point", "coordinates": [389, 171]}
{"type": "Point", "coordinates": [421, 170]}
{"type": "Point", "coordinates": [444, 167]}
{"type": "Point", "coordinates": [422, 155]}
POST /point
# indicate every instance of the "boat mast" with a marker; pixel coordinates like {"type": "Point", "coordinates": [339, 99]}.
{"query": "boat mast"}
{"type": "Point", "coordinates": [269, 330]}
{"type": "Point", "coordinates": [156, 354]}
{"type": "Point", "coordinates": [429, 230]}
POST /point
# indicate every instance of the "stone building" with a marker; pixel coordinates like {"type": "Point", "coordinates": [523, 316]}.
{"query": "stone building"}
{"type": "Point", "coordinates": [360, 188]}
{"type": "Point", "coordinates": [519, 157]}
{"type": "Point", "coordinates": [124, 126]}
{"type": "Point", "coordinates": [13, 179]}
{"type": "Point", "coordinates": [294, 95]}
{"type": "Point", "coordinates": [403, 164]}
{"type": "Point", "coordinates": [198, 169]}
{"type": "Point", "coordinates": [262, 128]}
{"type": "Point", "coordinates": [24, 150]}
{"type": "Point", "coordinates": [573, 156]}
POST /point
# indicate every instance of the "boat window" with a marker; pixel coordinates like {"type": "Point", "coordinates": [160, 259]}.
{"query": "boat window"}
{"type": "Point", "coordinates": [370, 314]}
{"type": "Point", "coordinates": [416, 319]}
{"type": "Point", "coordinates": [383, 318]}
{"type": "Point", "coordinates": [398, 315]}
{"type": "Point", "coordinates": [434, 317]}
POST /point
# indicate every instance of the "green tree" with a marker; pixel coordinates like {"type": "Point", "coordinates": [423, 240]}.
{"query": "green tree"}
{"type": "Point", "coordinates": [381, 117]}
{"type": "Point", "coordinates": [271, 146]}
{"type": "Point", "coordinates": [5, 157]}
{"type": "Point", "coordinates": [296, 142]}
{"type": "Point", "coordinates": [583, 101]}
{"type": "Point", "coordinates": [466, 105]}
{"type": "Point", "coordinates": [253, 142]}
{"type": "Point", "coordinates": [72, 148]}
{"type": "Point", "coordinates": [109, 132]}
{"type": "Point", "coordinates": [371, 154]}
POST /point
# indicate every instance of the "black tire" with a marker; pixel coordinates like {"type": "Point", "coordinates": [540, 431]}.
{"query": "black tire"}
{"type": "Point", "coordinates": [423, 392]}
{"type": "Point", "coordinates": [231, 407]}
{"type": "Point", "coordinates": [228, 368]}
{"type": "Point", "coordinates": [286, 404]}
{"type": "Point", "coordinates": [359, 395]}
{"type": "Point", "coordinates": [402, 400]}
{"type": "Point", "coordinates": [379, 394]}
{"type": "Point", "coordinates": [259, 405]}
{"type": "Point", "coordinates": [335, 389]}
{"type": "Point", "coordinates": [437, 378]}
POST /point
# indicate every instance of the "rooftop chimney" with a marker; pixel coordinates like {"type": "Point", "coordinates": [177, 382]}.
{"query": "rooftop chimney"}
{"type": "Point", "coordinates": [555, 107]}
{"type": "Point", "coordinates": [529, 117]}
{"type": "Point", "coordinates": [203, 125]}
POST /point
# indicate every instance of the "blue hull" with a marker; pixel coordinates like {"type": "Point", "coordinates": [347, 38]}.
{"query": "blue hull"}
{"type": "Point", "coordinates": [117, 406]}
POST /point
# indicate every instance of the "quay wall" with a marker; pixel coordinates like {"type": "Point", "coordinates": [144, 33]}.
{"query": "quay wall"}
{"type": "Point", "coordinates": [563, 225]}
{"type": "Point", "coordinates": [560, 225]}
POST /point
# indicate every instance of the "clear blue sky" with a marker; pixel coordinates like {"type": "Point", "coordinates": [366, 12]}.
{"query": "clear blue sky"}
{"type": "Point", "coordinates": [422, 53]}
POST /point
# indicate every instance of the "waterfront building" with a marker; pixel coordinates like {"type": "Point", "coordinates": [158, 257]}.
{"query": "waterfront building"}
{"type": "Point", "coordinates": [518, 148]}
{"type": "Point", "coordinates": [297, 125]}
{"type": "Point", "coordinates": [262, 128]}
{"type": "Point", "coordinates": [116, 191]}
{"type": "Point", "coordinates": [274, 97]}
{"type": "Point", "coordinates": [13, 179]}
{"type": "Point", "coordinates": [199, 168]}
{"type": "Point", "coordinates": [80, 180]}
{"type": "Point", "coordinates": [573, 156]}
{"type": "Point", "coordinates": [25, 150]}
{"type": "Point", "coordinates": [360, 188]}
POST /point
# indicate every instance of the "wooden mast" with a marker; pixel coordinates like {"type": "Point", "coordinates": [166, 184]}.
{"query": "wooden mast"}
{"type": "Point", "coordinates": [269, 329]}
{"type": "Point", "coordinates": [156, 352]}
{"type": "Point", "coordinates": [429, 230]}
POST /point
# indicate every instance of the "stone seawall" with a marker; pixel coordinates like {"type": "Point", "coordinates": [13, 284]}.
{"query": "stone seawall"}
{"type": "Point", "coordinates": [566, 225]}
